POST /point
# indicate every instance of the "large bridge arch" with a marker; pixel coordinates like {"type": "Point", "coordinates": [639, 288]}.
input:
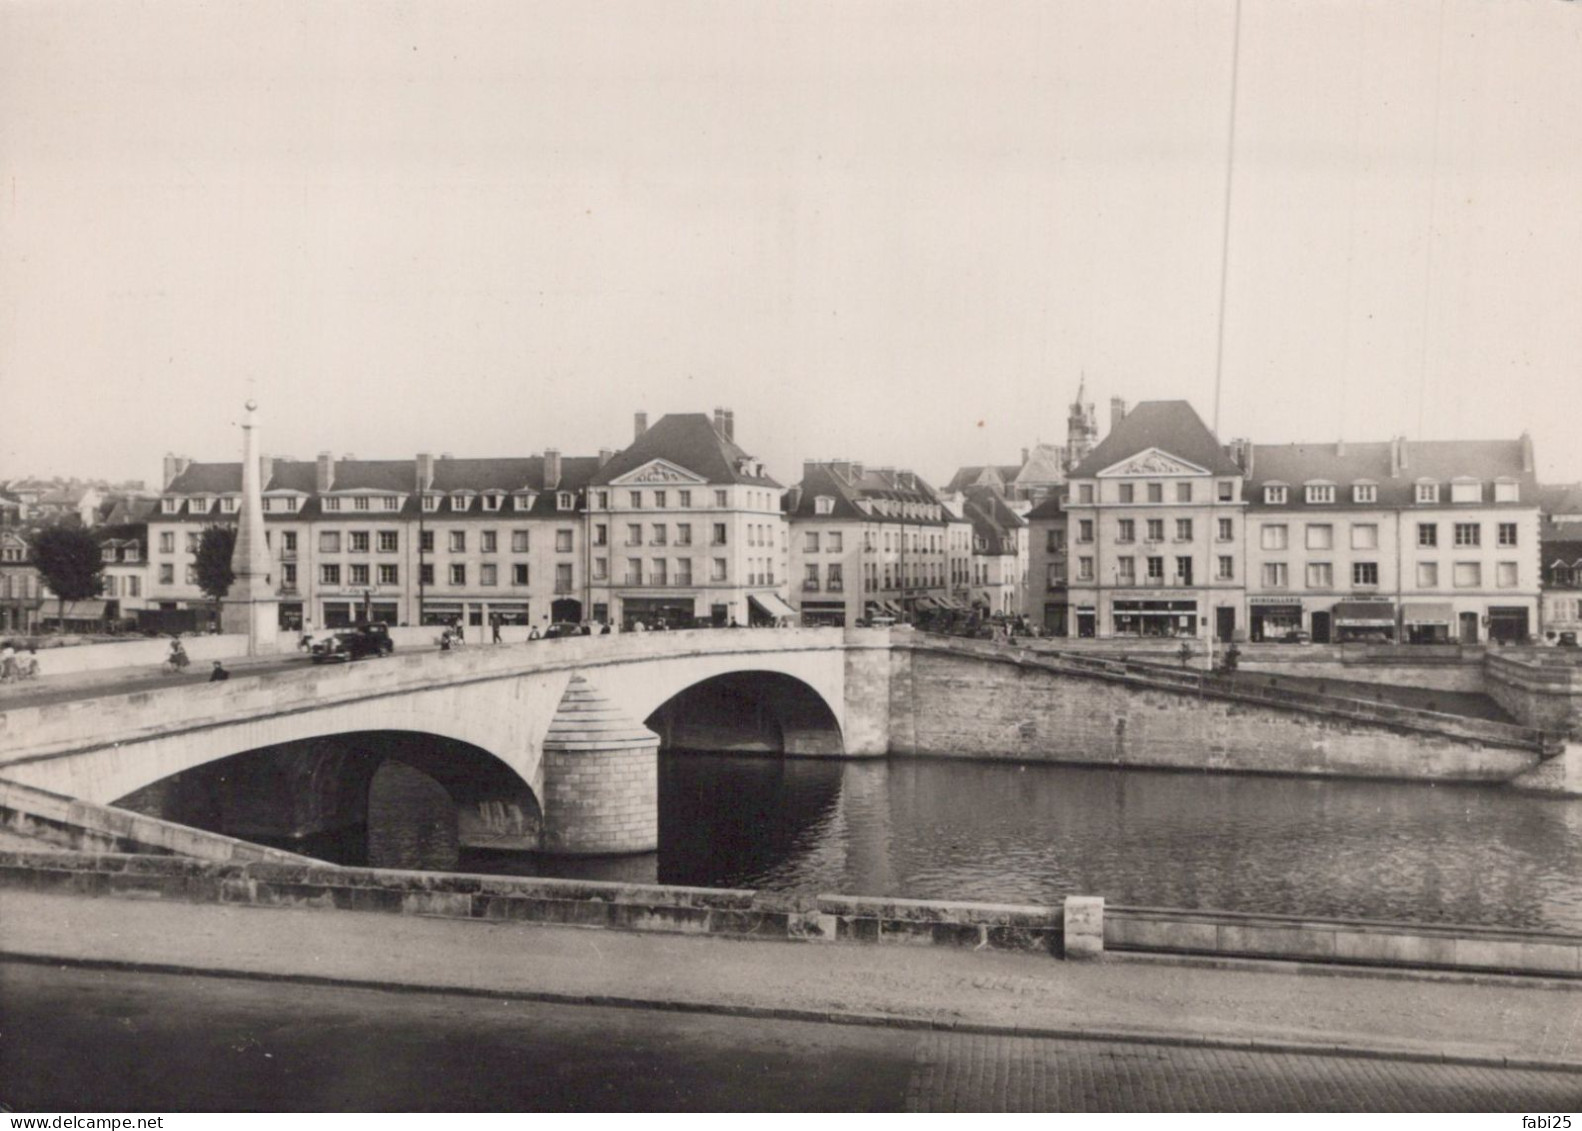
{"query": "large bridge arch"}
{"type": "Point", "coordinates": [752, 710]}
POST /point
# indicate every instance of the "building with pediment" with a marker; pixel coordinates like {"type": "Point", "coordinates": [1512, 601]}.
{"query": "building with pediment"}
{"type": "Point", "coordinates": [1154, 526]}
{"type": "Point", "coordinates": [686, 527]}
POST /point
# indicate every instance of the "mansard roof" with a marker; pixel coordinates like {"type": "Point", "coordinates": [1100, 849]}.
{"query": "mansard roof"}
{"type": "Point", "coordinates": [689, 440]}
{"type": "Point", "coordinates": [1438, 461]}
{"type": "Point", "coordinates": [872, 485]}
{"type": "Point", "coordinates": [1170, 426]}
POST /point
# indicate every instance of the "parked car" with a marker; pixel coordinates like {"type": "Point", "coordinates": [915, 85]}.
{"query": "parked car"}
{"type": "Point", "coordinates": [348, 644]}
{"type": "Point", "coordinates": [561, 629]}
{"type": "Point", "coordinates": [1297, 636]}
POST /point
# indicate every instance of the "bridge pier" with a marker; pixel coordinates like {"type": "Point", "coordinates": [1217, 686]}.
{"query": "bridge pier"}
{"type": "Point", "coordinates": [601, 778]}
{"type": "Point", "coordinates": [1560, 775]}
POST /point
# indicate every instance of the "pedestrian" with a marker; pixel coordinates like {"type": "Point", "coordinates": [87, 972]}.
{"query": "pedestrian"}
{"type": "Point", "coordinates": [494, 623]}
{"type": "Point", "coordinates": [533, 633]}
{"type": "Point", "coordinates": [219, 674]}
{"type": "Point", "coordinates": [605, 629]}
{"type": "Point", "coordinates": [461, 636]}
{"type": "Point", "coordinates": [444, 641]}
{"type": "Point", "coordinates": [587, 628]}
{"type": "Point", "coordinates": [7, 662]}
{"type": "Point", "coordinates": [639, 626]}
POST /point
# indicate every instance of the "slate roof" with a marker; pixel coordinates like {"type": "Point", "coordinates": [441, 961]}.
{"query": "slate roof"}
{"type": "Point", "coordinates": [1439, 460]}
{"type": "Point", "coordinates": [1046, 463]}
{"type": "Point", "coordinates": [689, 440]}
{"type": "Point", "coordinates": [1560, 498]}
{"type": "Point", "coordinates": [873, 484]}
{"type": "Point", "coordinates": [981, 475]}
{"type": "Point", "coordinates": [1171, 426]}
{"type": "Point", "coordinates": [992, 520]}
{"type": "Point", "coordinates": [1052, 507]}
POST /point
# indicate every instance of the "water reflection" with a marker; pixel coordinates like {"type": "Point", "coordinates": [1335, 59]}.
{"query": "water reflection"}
{"type": "Point", "coordinates": [1035, 833]}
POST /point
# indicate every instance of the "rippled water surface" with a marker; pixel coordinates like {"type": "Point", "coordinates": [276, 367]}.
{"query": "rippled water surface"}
{"type": "Point", "coordinates": [1002, 832]}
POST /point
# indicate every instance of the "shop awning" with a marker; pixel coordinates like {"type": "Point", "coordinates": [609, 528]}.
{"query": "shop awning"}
{"type": "Point", "coordinates": [771, 604]}
{"type": "Point", "coordinates": [77, 610]}
{"type": "Point", "coordinates": [1428, 612]}
{"type": "Point", "coordinates": [1367, 614]}
{"type": "Point", "coordinates": [926, 602]}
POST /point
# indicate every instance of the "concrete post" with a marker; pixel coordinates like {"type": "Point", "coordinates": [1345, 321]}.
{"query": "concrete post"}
{"type": "Point", "coordinates": [1084, 926]}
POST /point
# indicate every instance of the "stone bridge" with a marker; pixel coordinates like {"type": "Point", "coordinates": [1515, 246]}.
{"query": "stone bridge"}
{"type": "Point", "coordinates": [544, 743]}
{"type": "Point", "coordinates": [552, 745]}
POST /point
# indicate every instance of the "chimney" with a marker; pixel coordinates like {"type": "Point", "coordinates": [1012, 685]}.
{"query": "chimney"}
{"type": "Point", "coordinates": [1397, 456]}
{"type": "Point", "coordinates": [639, 425]}
{"type": "Point", "coordinates": [551, 469]}
{"type": "Point", "coordinates": [1026, 455]}
{"type": "Point", "coordinates": [174, 466]}
{"type": "Point", "coordinates": [719, 421]}
{"type": "Point", "coordinates": [809, 466]}
{"type": "Point", "coordinates": [730, 426]}
{"type": "Point", "coordinates": [1117, 412]}
{"type": "Point", "coordinates": [793, 497]}
{"type": "Point", "coordinates": [605, 456]}
{"type": "Point", "coordinates": [1527, 453]}
{"type": "Point", "coordinates": [856, 471]}
{"type": "Point", "coordinates": [325, 478]}
{"type": "Point", "coordinates": [1340, 448]}
{"type": "Point", "coordinates": [425, 472]}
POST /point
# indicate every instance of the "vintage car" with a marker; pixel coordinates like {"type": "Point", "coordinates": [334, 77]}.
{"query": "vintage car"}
{"type": "Point", "coordinates": [348, 644]}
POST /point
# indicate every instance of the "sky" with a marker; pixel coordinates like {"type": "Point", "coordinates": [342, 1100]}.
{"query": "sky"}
{"type": "Point", "coordinates": [895, 232]}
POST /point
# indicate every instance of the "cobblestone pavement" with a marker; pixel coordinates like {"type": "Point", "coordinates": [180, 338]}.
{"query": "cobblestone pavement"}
{"type": "Point", "coordinates": [965, 1072]}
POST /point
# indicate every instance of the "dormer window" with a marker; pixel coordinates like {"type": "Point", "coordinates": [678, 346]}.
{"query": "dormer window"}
{"type": "Point", "coordinates": [269, 505]}
{"type": "Point", "coordinates": [132, 552]}
{"type": "Point", "coordinates": [332, 504]}
{"type": "Point", "coordinates": [198, 506]}
{"type": "Point", "coordinates": [824, 504]}
{"type": "Point", "coordinates": [460, 501]}
{"type": "Point", "coordinates": [1320, 492]}
{"type": "Point", "coordinates": [107, 553]}
{"type": "Point", "coordinates": [565, 501]}
{"type": "Point", "coordinates": [1364, 492]}
{"type": "Point", "coordinates": [1274, 493]}
{"type": "Point", "coordinates": [170, 506]}
{"type": "Point", "coordinates": [229, 505]}
{"type": "Point", "coordinates": [1427, 491]}
{"type": "Point", "coordinates": [391, 502]}
{"type": "Point", "coordinates": [431, 503]}
{"type": "Point", "coordinates": [491, 501]}
{"type": "Point", "coordinates": [1507, 491]}
{"type": "Point", "coordinates": [523, 500]}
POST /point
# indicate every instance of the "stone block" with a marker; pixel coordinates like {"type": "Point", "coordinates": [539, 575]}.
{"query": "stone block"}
{"type": "Point", "coordinates": [1491, 954]}
{"type": "Point", "coordinates": [1083, 926]}
{"type": "Point", "coordinates": [1394, 948]}
{"type": "Point", "coordinates": [1276, 942]}
{"type": "Point", "coordinates": [1123, 932]}
{"type": "Point", "coordinates": [451, 905]}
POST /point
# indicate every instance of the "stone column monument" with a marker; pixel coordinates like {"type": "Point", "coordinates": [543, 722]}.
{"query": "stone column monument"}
{"type": "Point", "coordinates": [251, 606]}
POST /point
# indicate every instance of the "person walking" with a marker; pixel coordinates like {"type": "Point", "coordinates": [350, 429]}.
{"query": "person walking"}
{"type": "Point", "coordinates": [7, 662]}
{"type": "Point", "coordinates": [494, 629]}
{"type": "Point", "coordinates": [219, 674]}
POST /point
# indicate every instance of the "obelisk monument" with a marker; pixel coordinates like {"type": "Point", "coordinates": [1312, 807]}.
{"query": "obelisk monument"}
{"type": "Point", "coordinates": [251, 605]}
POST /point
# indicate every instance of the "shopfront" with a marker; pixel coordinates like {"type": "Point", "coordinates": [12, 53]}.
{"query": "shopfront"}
{"type": "Point", "coordinates": [1153, 617]}
{"type": "Point", "coordinates": [1428, 622]}
{"type": "Point", "coordinates": [1508, 625]}
{"type": "Point", "coordinates": [675, 612]}
{"type": "Point", "coordinates": [824, 614]}
{"type": "Point", "coordinates": [1274, 618]}
{"type": "Point", "coordinates": [1367, 622]}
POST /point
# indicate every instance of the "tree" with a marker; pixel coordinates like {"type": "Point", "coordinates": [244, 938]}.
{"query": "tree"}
{"type": "Point", "coordinates": [68, 559]}
{"type": "Point", "coordinates": [214, 562]}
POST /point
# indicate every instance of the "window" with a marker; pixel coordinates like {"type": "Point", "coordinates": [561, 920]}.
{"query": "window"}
{"type": "Point", "coordinates": [425, 542]}
{"type": "Point", "coordinates": [1054, 576]}
{"type": "Point", "coordinates": [1156, 530]}
{"type": "Point", "coordinates": [1084, 492]}
{"type": "Point", "coordinates": [458, 541]}
{"type": "Point", "coordinates": [192, 575]}
{"type": "Point", "coordinates": [1428, 492]}
{"type": "Point", "coordinates": [359, 541]}
{"type": "Point", "coordinates": [1427, 534]}
{"type": "Point", "coordinates": [458, 574]}
{"type": "Point", "coordinates": [1084, 569]}
{"type": "Point", "coordinates": [1184, 571]}
{"type": "Point", "coordinates": [170, 506]}
{"type": "Point", "coordinates": [229, 504]}
{"type": "Point", "coordinates": [1227, 568]}
{"type": "Point", "coordinates": [1156, 492]}
{"type": "Point", "coordinates": [167, 542]}
{"type": "Point", "coordinates": [1468, 575]}
{"type": "Point", "coordinates": [684, 572]}
{"type": "Point", "coordinates": [1227, 491]}
{"type": "Point", "coordinates": [656, 536]}
{"type": "Point", "coordinates": [431, 502]}
{"type": "Point", "coordinates": [1364, 536]}
{"type": "Point", "coordinates": [1226, 530]}
{"type": "Point", "coordinates": [391, 502]}
{"type": "Point", "coordinates": [837, 578]}
{"type": "Point", "coordinates": [683, 498]}
{"type": "Point", "coordinates": [824, 504]}
{"type": "Point", "coordinates": [1274, 575]}
{"type": "Point", "coordinates": [1507, 491]}
{"type": "Point", "coordinates": [167, 573]}
{"type": "Point", "coordinates": [1274, 494]}
{"type": "Point", "coordinates": [810, 582]}
{"type": "Point", "coordinates": [134, 586]}
{"type": "Point", "coordinates": [1466, 491]}
{"type": "Point", "coordinates": [193, 537]}
{"type": "Point", "coordinates": [329, 541]}
{"type": "Point", "coordinates": [1126, 571]}
{"type": "Point", "coordinates": [837, 542]}
{"type": "Point", "coordinates": [460, 502]}
{"type": "Point", "coordinates": [722, 498]}
{"type": "Point", "coordinates": [1273, 536]}
{"type": "Point", "coordinates": [329, 575]}
{"type": "Point", "coordinates": [1320, 575]}
{"type": "Point", "coordinates": [389, 541]}
{"type": "Point", "coordinates": [425, 574]}
{"type": "Point", "coordinates": [519, 574]}
{"type": "Point", "coordinates": [810, 542]}
{"type": "Point", "coordinates": [1428, 575]}
{"type": "Point", "coordinates": [659, 500]}
{"type": "Point", "coordinates": [1506, 534]}
{"type": "Point", "coordinates": [1156, 570]}
{"type": "Point", "coordinates": [520, 542]}
{"type": "Point", "coordinates": [1320, 536]}
{"type": "Point", "coordinates": [601, 570]}
{"type": "Point", "coordinates": [1505, 575]}
{"type": "Point", "coordinates": [1365, 493]}
{"type": "Point", "coordinates": [1126, 531]}
{"type": "Point", "coordinates": [1128, 493]}
{"type": "Point", "coordinates": [1183, 530]}
{"type": "Point", "coordinates": [1320, 492]}
{"type": "Point", "coordinates": [634, 499]}
{"type": "Point", "coordinates": [1183, 492]}
{"type": "Point", "coordinates": [1364, 574]}
{"type": "Point", "coordinates": [683, 534]}
{"type": "Point", "coordinates": [634, 534]}
{"type": "Point", "coordinates": [562, 541]}
{"type": "Point", "coordinates": [488, 574]}
{"type": "Point", "coordinates": [565, 500]}
{"type": "Point", "coordinates": [360, 503]}
{"type": "Point", "coordinates": [719, 534]}
{"type": "Point", "coordinates": [1085, 530]}
{"type": "Point", "coordinates": [1469, 534]}
{"type": "Point", "coordinates": [657, 574]}
{"type": "Point", "coordinates": [490, 541]}
{"type": "Point", "coordinates": [717, 569]}
{"type": "Point", "coordinates": [359, 573]}
{"type": "Point", "coordinates": [388, 575]}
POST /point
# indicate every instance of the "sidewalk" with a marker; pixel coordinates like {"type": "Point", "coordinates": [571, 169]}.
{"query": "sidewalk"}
{"type": "Point", "coordinates": [1486, 1020]}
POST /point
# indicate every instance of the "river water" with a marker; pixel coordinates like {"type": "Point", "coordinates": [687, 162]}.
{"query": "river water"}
{"type": "Point", "coordinates": [1004, 832]}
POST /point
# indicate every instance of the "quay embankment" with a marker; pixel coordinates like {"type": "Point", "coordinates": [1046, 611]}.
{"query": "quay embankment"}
{"type": "Point", "coordinates": [1082, 927]}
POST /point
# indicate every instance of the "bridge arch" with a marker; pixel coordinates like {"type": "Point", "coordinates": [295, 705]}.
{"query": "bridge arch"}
{"type": "Point", "coordinates": [752, 710]}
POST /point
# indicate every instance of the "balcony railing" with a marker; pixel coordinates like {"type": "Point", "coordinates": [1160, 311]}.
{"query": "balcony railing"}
{"type": "Point", "coordinates": [834, 586]}
{"type": "Point", "coordinates": [810, 586]}
{"type": "Point", "coordinates": [564, 587]}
